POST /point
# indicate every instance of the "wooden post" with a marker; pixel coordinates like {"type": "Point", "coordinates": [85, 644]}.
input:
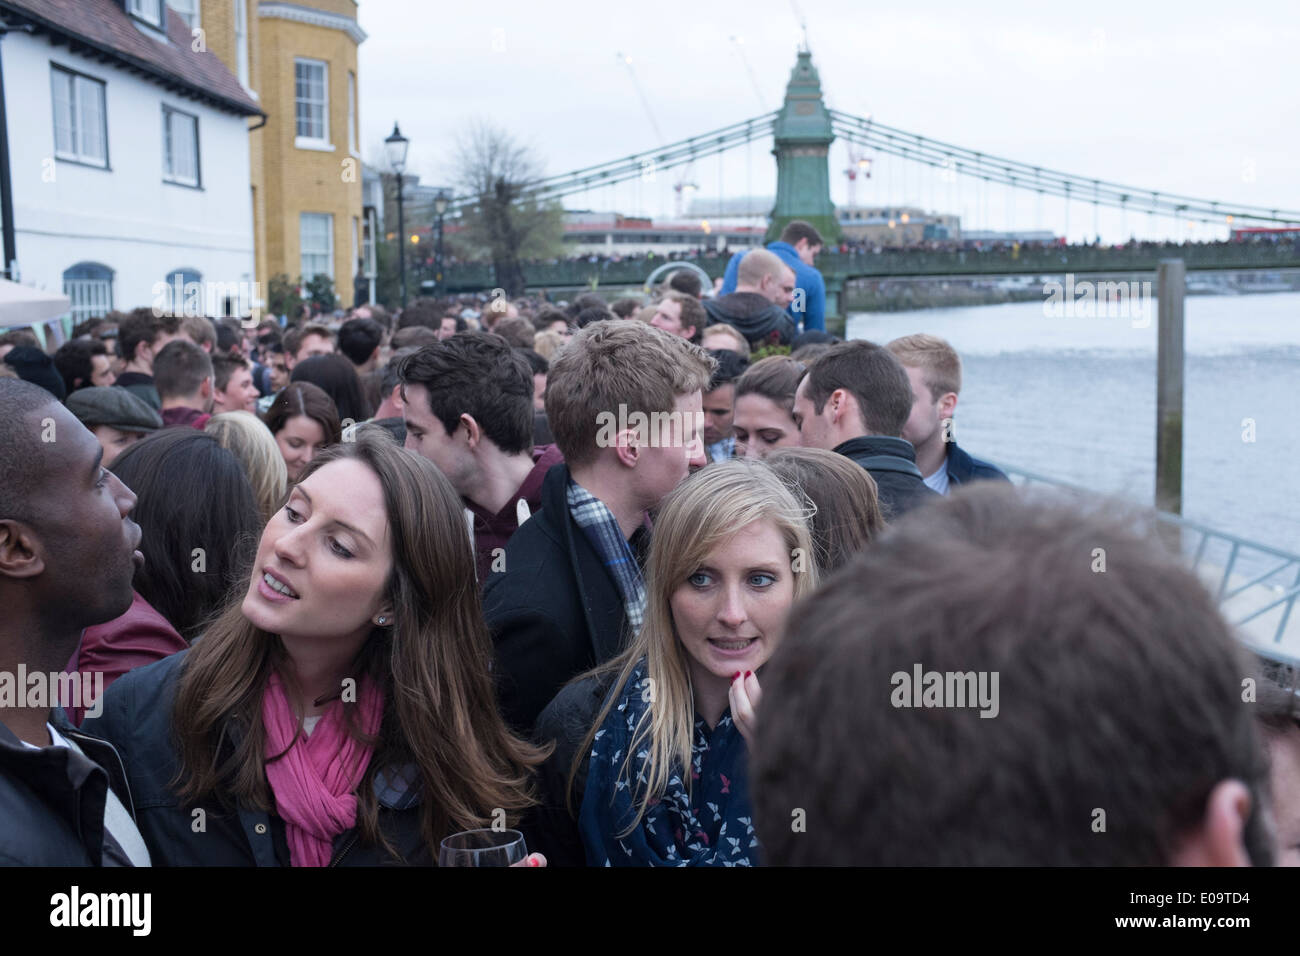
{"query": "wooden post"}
{"type": "Point", "coordinates": [1170, 285]}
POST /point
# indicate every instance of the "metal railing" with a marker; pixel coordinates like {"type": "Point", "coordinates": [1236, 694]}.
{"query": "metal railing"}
{"type": "Point", "coordinates": [1255, 586]}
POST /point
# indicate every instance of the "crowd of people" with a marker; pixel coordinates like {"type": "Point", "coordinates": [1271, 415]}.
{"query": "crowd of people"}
{"type": "Point", "coordinates": [599, 573]}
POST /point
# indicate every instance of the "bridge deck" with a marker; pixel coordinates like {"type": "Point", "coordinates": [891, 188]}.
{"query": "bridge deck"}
{"type": "Point", "coordinates": [837, 268]}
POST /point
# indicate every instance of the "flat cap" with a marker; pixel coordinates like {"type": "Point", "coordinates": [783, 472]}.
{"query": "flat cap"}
{"type": "Point", "coordinates": [113, 406]}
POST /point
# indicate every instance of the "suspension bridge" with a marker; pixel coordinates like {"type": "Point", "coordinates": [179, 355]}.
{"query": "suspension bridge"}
{"type": "Point", "coordinates": [801, 133]}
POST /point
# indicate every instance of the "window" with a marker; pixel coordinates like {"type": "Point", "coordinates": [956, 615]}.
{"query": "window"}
{"type": "Point", "coordinates": [181, 284]}
{"type": "Point", "coordinates": [241, 41]}
{"type": "Point", "coordinates": [369, 228]}
{"type": "Point", "coordinates": [316, 238]}
{"type": "Point", "coordinates": [80, 131]}
{"type": "Point", "coordinates": [311, 100]}
{"type": "Point", "coordinates": [90, 287]}
{"type": "Point", "coordinates": [150, 11]}
{"type": "Point", "coordinates": [356, 245]}
{"type": "Point", "coordinates": [352, 112]}
{"type": "Point", "coordinates": [180, 147]}
{"type": "Point", "coordinates": [188, 9]}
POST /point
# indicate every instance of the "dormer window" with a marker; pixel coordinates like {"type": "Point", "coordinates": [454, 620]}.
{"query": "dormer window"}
{"type": "Point", "coordinates": [150, 11]}
{"type": "Point", "coordinates": [188, 9]}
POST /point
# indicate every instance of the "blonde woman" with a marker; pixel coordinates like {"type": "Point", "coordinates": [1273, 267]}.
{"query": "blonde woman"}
{"type": "Point", "coordinates": [244, 436]}
{"type": "Point", "coordinates": [649, 767]}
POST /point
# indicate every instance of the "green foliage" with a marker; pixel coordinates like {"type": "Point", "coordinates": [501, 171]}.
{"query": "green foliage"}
{"type": "Point", "coordinates": [320, 292]}
{"type": "Point", "coordinates": [282, 296]}
{"type": "Point", "coordinates": [767, 350]}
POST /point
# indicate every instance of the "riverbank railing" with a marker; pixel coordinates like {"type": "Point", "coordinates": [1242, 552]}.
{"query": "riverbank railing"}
{"type": "Point", "coordinates": [1255, 586]}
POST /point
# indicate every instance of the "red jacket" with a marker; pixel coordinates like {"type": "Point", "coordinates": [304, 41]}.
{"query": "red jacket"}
{"type": "Point", "coordinates": [493, 531]}
{"type": "Point", "coordinates": [184, 416]}
{"type": "Point", "coordinates": [140, 636]}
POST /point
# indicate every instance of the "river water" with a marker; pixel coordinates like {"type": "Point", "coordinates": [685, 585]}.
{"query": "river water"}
{"type": "Point", "coordinates": [1074, 399]}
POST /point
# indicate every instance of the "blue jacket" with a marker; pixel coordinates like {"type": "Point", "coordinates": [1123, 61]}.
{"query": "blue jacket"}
{"type": "Point", "coordinates": [806, 278]}
{"type": "Point", "coordinates": [963, 469]}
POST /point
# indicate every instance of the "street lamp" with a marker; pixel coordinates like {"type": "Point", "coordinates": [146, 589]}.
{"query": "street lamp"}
{"type": "Point", "coordinates": [441, 200]}
{"type": "Point", "coordinates": [395, 147]}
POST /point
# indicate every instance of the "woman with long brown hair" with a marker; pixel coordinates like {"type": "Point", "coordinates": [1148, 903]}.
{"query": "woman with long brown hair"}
{"type": "Point", "coordinates": [341, 709]}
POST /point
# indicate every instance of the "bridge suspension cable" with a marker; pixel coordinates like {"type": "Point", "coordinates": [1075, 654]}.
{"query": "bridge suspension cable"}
{"type": "Point", "coordinates": [642, 164]}
{"type": "Point", "coordinates": [911, 146]}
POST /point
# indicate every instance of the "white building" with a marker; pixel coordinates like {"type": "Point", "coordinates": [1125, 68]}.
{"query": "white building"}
{"type": "Point", "coordinates": [611, 234]}
{"type": "Point", "coordinates": [129, 154]}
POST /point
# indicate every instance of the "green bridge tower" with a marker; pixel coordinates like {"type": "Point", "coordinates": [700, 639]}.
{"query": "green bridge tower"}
{"type": "Point", "coordinates": [803, 136]}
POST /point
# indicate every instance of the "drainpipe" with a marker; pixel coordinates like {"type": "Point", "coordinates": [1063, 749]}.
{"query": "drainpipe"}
{"type": "Point", "coordinates": [6, 186]}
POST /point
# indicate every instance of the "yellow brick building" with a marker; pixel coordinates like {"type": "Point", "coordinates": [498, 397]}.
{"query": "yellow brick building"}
{"type": "Point", "coordinates": [300, 60]}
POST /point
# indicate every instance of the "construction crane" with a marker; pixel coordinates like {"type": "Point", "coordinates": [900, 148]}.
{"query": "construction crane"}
{"type": "Point", "coordinates": [859, 166]}
{"type": "Point", "coordinates": [683, 186]}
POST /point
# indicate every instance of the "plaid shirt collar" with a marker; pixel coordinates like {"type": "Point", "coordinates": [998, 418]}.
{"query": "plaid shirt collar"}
{"type": "Point", "coordinates": [601, 528]}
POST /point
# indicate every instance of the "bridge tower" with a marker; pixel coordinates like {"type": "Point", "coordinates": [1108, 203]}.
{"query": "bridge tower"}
{"type": "Point", "coordinates": [803, 136]}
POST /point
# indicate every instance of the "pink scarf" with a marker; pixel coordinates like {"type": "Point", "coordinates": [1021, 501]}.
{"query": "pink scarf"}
{"type": "Point", "coordinates": [315, 780]}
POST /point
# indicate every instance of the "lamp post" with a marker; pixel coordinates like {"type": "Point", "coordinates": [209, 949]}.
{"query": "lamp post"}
{"type": "Point", "coordinates": [441, 200]}
{"type": "Point", "coordinates": [395, 146]}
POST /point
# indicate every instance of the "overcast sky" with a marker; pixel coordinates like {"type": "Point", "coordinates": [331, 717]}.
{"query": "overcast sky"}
{"type": "Point", "coordinates": [1199, 98]}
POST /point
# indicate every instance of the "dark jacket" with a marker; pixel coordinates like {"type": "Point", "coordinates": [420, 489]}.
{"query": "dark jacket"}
{"type": "Point", "coordinates": [52, 800]}
{"type": "Point", "coordinates": [139, 637]}
{"type": "Point", "coordinates": [806, 278]}
{"type": "Point", "coordinates": [492, 531]}
{"type": "Point", "coordinates": [555, 611]}
{"type": "Point", "coordinates": [141, 386]}
{"type": "Point", "coordinates": [757, 319]}
{"type": "Point", "coordinates": [963, 468]}
{"type": "Point", "coordinates": [566, 721]}
{"type": "Point", "coordinates": [892, 463]}
{"type": "Point", "coordinates": [137, 718]}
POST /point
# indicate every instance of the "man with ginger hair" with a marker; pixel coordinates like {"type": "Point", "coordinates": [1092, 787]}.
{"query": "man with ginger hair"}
{"type": "Point", "coordinates": [934, 371]}
{"type": "Point", "coordinates": [764, 287]}
{"type": "Point", "coordinates": [570, 590]}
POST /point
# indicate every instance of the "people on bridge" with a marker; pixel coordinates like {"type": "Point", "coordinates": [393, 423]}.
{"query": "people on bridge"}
{"type": "Point", "coordinates": [764, 287]}
{"type": "Point", "coordinates": [934, 370]}
{"type": "Point", "coordinates": [855, 400]}
{"type": "Point", "coordinates": [798, 247]}
{"type": "Point", "coordinates": [468, 407]}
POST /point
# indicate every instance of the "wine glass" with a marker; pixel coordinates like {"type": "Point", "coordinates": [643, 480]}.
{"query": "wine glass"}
{"type": "Point", "coordinates": [483, 848]}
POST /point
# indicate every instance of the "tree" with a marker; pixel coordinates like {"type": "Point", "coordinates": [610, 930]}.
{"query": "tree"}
{"type": "Point", "coordinates": [503, 219]}
{"type": "Point", "coordinates": [282, 296]}
{"type": "Point", "coordinates": [320, 292]}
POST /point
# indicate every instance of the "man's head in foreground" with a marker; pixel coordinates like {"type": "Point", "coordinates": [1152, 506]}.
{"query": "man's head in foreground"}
{"type": "Point", "coordinates": [67, 543]}
{"type": "Point", "coordinates": [1010, 681]}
